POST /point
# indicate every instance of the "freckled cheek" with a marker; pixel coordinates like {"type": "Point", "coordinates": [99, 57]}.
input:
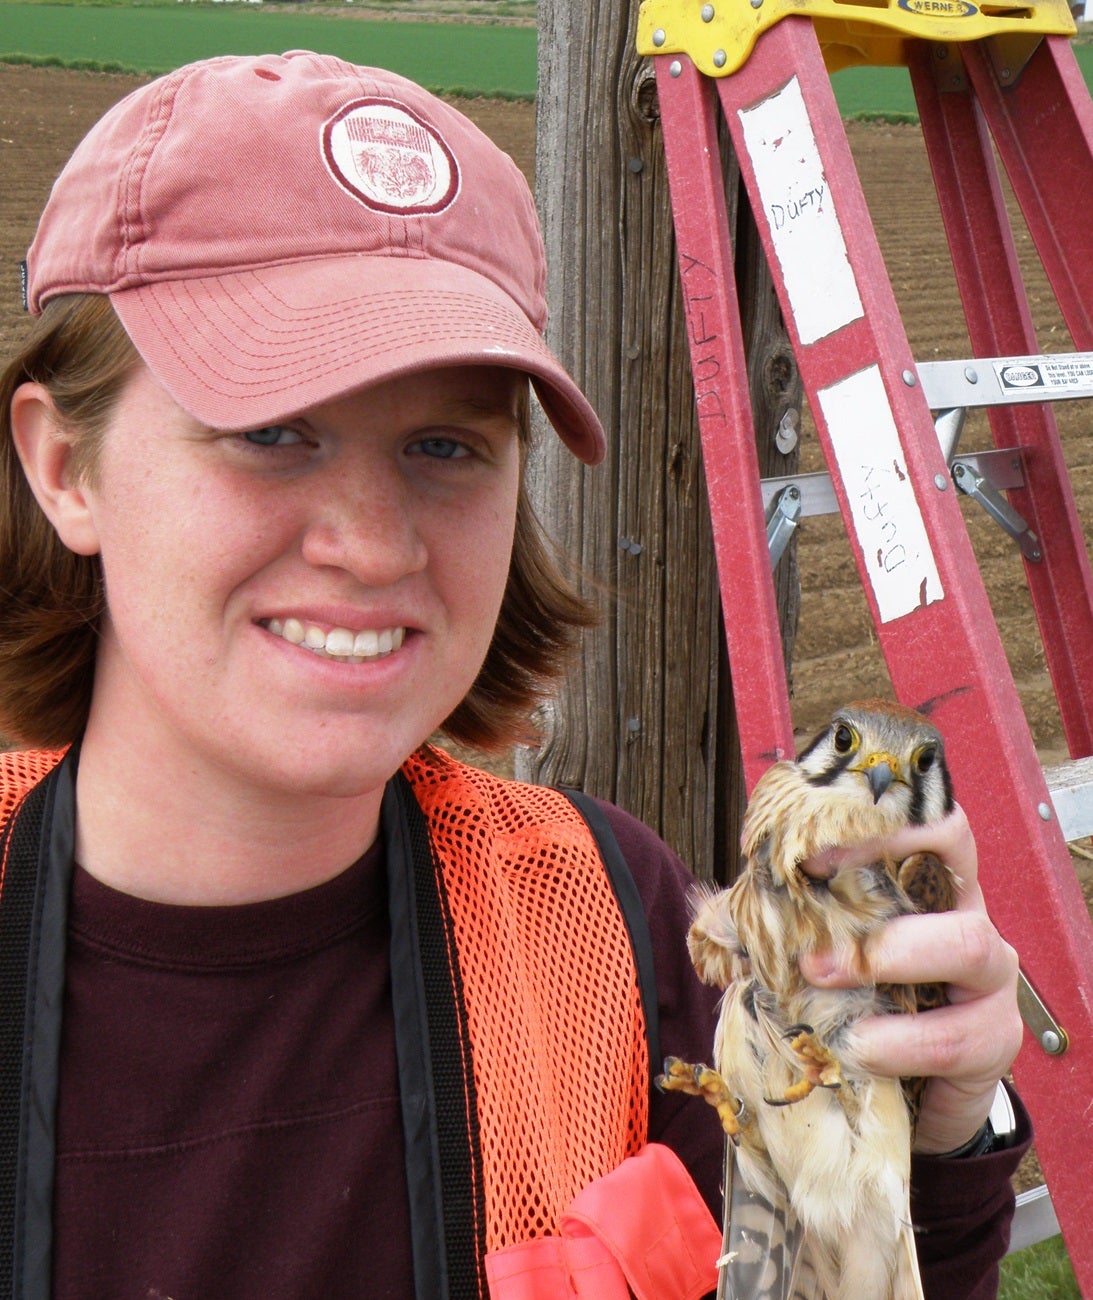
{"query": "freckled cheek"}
{"type": "Point", "coordinates": [166, 556]}
{"type": "Point", "coordinates": [475, 559]}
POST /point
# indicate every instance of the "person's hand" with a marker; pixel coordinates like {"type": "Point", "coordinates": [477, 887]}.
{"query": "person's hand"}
{"type": "Point", "coordinates": [964, 1048]}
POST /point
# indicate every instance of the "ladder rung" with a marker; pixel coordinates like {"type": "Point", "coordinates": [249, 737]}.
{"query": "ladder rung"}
{"type": "Point", "coordinates": [1004, 381]}
{"type": "Point", "coordinates": [1071, 788]}
{"type": "Point", "coordinates": [1001, 468]}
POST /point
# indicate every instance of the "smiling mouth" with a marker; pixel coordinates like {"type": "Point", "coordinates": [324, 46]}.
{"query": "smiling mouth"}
{"type": "Point", "coordinates": [339, 643]}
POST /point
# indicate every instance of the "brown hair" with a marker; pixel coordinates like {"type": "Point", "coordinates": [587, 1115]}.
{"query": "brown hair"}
{"type": "Point", "coordinates": [51, 599]}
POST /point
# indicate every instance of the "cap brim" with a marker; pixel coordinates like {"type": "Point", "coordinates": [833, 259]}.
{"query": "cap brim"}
{"type": "Point", "coordinates": [248, 347]}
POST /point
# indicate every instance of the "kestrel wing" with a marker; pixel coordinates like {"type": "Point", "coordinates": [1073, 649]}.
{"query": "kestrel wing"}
{"type": "Point", "coordinates": [927, 882]}
{"type": "Point", "coordinates": [929, 885]}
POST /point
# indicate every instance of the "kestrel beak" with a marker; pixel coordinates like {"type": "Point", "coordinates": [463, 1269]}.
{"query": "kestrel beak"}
{"type": "Point", "coordinates": [880, 770]}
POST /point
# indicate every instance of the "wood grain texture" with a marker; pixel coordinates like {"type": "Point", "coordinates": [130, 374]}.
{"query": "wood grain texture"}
{"type": "Point", "coordinates": [646, 717]}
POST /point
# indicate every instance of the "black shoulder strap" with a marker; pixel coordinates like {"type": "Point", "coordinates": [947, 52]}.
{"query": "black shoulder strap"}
{"type": "Point", "coordinates": [629, 900]}
{"type": "Point", "coordinates": [36, 849]}
{"type": "Point", "coordinates": [439, 1108]}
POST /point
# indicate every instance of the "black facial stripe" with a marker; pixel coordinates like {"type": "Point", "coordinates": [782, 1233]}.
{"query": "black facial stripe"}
{"type": "Point", "coordinates": [917, 799]}
{"type": "Point", "coordinates": [810, 746]}
{"type": "Point", "coordinates": [950, 801]}
{"type": "Point", "coordinates": [839, 765]}
{"type": "Point", "coordinates": [918, 792]}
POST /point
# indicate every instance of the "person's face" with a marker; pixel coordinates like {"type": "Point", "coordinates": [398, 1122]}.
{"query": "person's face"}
{"type": "Point", "coordinates": [300, 606]}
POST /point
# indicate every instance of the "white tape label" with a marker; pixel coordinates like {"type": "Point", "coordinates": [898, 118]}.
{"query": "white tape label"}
{"type": "Point", "coordinates": [886, 517]}
{"type": "Point", "coordinates": [804, 225]}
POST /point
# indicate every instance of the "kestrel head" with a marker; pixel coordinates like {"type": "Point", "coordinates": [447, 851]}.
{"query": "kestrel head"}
{"type": "Point", "coordinates": [884, 753]}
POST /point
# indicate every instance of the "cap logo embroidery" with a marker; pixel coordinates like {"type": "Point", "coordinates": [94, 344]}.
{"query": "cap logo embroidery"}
{"type": "Point", "coordinates": [391, 160]}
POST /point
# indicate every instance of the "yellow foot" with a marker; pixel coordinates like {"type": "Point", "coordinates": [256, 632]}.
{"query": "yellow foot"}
{"type": "Point", "coordinates": [701, 1081]}
{"type": "Point", "coordinates": [819, 1066]}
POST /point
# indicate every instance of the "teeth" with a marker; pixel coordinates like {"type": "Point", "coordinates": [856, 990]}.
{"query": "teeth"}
{"type": "Point", "coordinates": [339, 642]}
{"type": "Point", "coordinates": [366, 644]}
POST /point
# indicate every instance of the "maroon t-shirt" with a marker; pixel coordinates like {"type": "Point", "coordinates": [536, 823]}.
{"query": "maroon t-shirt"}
{"type": "Point", "coordinates": [229, 1122]}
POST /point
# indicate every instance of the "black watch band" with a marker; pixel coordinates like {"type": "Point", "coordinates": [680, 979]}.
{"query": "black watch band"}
{"type": "Point", "coordinates": [979, 1144]}
{"type": "Point", "coordinates": [999, 1131]}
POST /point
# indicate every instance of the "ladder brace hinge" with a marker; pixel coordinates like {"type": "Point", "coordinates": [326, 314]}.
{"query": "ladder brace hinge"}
{"type": "Point", "coordinates": [782, 520]}
{"type": "Point", "coordinates": [979, 489]}
{"type": "Point", "coordinates": [1043, 1026]}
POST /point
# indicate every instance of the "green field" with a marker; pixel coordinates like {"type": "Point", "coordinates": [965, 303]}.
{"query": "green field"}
{"type": "Point", "coordinates": [867, 92]}
{"type": "Point", "coordinates": [473, 58]}
{"type": "Point", "coordinates": [477, 59]}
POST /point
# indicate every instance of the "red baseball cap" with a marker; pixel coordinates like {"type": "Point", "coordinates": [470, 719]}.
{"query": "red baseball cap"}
{"type": "Point", "coordinates": [277, 231]}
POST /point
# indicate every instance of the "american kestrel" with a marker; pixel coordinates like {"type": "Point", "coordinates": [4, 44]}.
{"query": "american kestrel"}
{"type": "Point", "coordinates": [822, 1145]}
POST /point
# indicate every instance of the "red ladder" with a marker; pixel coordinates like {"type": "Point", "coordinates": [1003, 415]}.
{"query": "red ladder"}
{"type": "Point", "coordinates": [765, 72]}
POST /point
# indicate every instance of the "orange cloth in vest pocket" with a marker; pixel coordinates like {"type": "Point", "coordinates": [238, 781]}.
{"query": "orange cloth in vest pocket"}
{"type": "Point", "coordinates": [641, 1230]}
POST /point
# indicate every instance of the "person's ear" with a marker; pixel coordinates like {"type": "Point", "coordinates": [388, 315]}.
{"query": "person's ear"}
{"type": "Point", "coordinates": [45, 447]}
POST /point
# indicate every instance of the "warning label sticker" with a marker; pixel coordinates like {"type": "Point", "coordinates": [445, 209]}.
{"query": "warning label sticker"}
{"type": "Point", "coordinates": [1053, 374]}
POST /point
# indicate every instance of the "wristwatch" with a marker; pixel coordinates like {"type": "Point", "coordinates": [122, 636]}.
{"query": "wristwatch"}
{"type": "Point", "coordinates": [999, 1131]}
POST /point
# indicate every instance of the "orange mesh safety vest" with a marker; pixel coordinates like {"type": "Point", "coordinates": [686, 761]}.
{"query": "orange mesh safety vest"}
{"type": "Point", "coordinates": [522, 990]}
{"type": "Point", "coordinates": [20, 770]}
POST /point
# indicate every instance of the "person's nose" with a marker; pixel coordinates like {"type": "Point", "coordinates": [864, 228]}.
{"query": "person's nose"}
{"type": "Point", "coordinates": [364, 521]}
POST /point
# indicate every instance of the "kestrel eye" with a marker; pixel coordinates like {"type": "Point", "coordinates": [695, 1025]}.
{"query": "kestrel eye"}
{"type": "Point", "coordinates": [924, 760]}
{"type": "Point", "coordinates": [844, 739]}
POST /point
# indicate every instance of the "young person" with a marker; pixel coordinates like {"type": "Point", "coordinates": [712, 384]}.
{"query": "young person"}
{"type": "Point", "coordinates": [297, 1005]}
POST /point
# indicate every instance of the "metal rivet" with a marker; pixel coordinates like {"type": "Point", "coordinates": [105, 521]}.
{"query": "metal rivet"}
{"type": "Point", "coordinates": [1051, 1042]}
{"type": "Point", "coordinates": [633, 725]}
{"type": "Point", "coordinates": [719, 58]}
{"type": "Point", "coordinates": [659, 37]}
{"type": "Point", "coordinates": [940, 482]}
{"type": "Point", "coordinates": [910, 378]}
{"type": "Point", "coordinates": [707, 13]}
{"type": "Point", "coordinates": [972, 376]}
{"type": "Point", "coordinates": [757, 4]}
{"type": "Point", "coordinates": [635, 165]}
{"type": "Point", "coordinates": [675, 68]}
{"type": "Point", "coordinates": [1044, 809]}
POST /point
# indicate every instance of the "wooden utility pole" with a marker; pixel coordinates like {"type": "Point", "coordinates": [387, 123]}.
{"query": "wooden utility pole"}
{"type": "Point", "coordinates": [646, 719]}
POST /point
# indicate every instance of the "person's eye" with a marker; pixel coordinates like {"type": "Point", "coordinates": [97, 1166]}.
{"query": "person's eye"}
{"type": "Point", "coordinates": [440, 448]}
{"type": "Point", "coordinates": [272, 435]}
